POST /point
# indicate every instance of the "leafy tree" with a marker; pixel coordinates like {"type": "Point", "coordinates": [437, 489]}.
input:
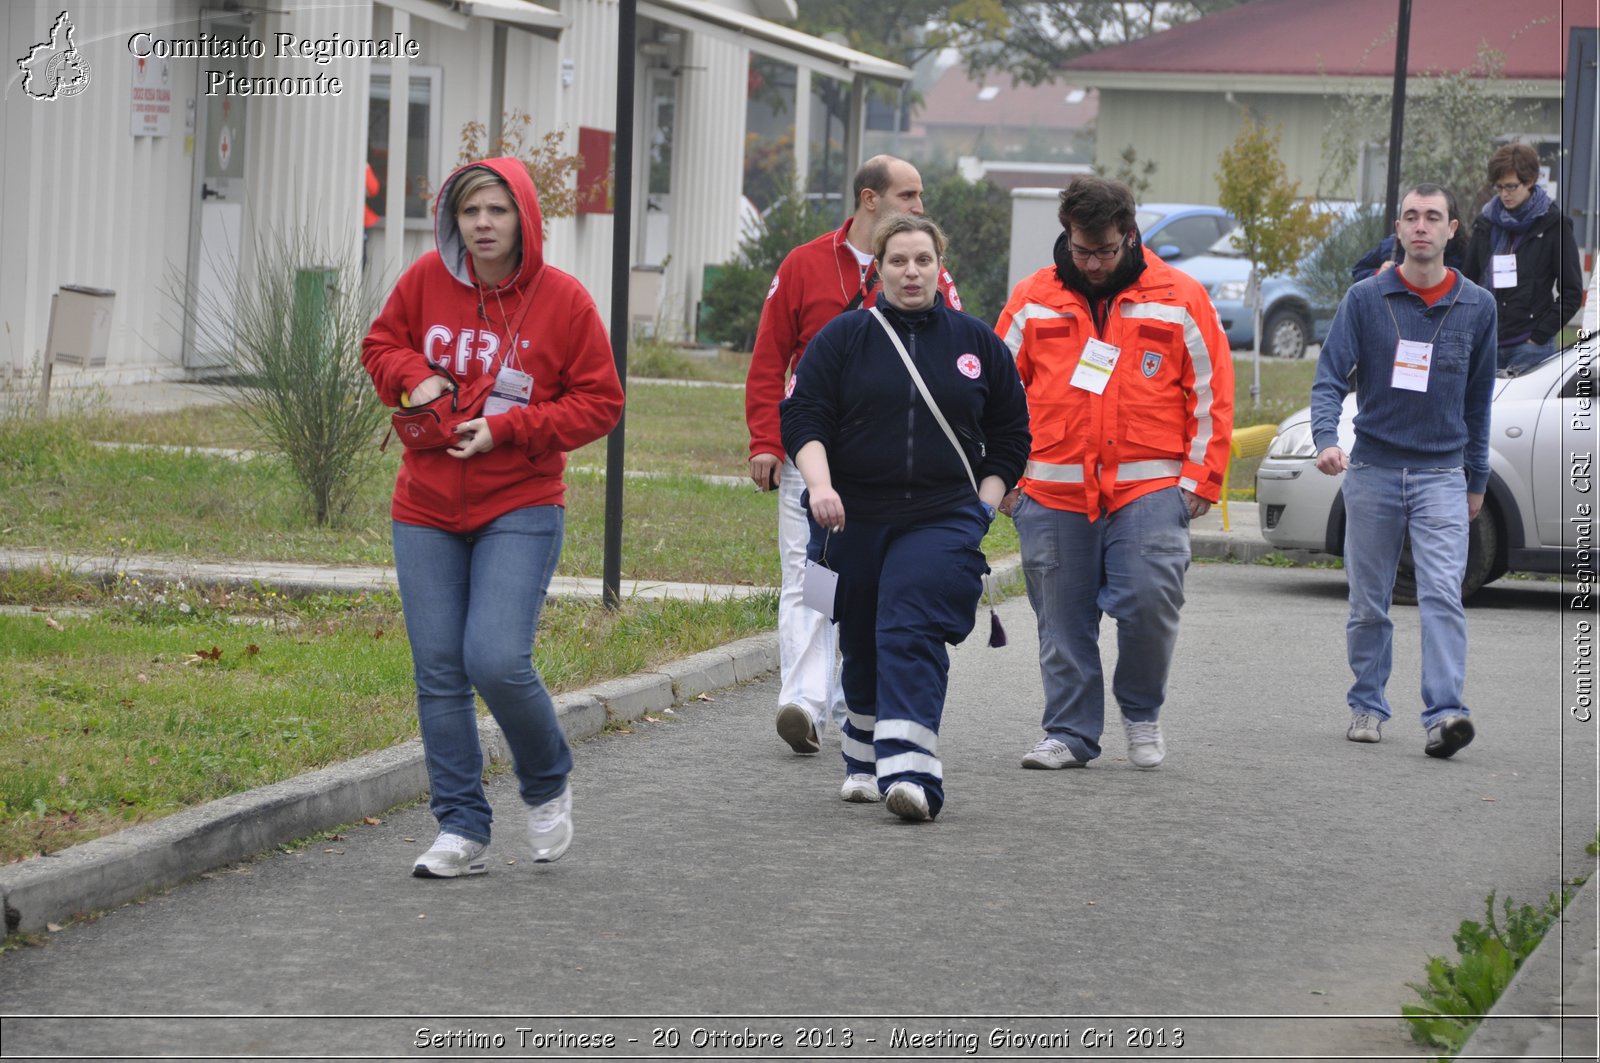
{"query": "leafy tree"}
{"type": "Point", "coordinates": [1451, 121]}
{"type": "Point", "coordinates": [1276, 226]}
{"type": "Point", "coordinates": [976, 216]}
{"type": "Point", "coordinates": [733, 297]}
{"type": "Point", "coordinates": [1132, 171]}
{"type": "Point", "coordinates": [1028, 39]}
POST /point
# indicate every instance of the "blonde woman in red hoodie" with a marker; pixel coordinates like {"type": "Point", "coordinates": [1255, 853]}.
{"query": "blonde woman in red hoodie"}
{"type": "Point", "coordinates": [478, 524]}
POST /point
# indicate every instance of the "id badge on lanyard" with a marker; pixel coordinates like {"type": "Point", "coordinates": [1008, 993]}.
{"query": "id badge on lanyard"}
{"type": "Point", "coordinates": [1095, 364]}
{"type": "Point", "coordinates": [513, 389]}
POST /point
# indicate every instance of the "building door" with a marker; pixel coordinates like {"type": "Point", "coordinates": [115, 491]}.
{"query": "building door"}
{"type": "Point", "coordinates": [661, 105]}
{"type": "Point", "coordinates": [217, 225]}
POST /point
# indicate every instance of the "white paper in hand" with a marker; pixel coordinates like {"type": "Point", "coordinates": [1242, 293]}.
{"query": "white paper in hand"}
{"type": "Point", "coordinates": [818, 587]}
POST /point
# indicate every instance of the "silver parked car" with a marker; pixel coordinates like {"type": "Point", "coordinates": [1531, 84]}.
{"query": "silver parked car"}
{"type": "Point", "coordinates": [1539, 473]}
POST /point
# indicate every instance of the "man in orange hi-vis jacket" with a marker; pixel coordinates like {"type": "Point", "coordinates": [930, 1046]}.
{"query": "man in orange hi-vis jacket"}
{"type": "Point", "coordinates": [1130, 392]}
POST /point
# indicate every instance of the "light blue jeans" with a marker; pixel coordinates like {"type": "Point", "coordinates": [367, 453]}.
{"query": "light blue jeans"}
{"type": "Point", "coordinates": [472, 602]}
{"type": "Point", "coordinates": [1129, 565]}
{"type": "Point", "coordinates": [1525, 353]}
{"type": "Point", "coordinates": [1381, 505]}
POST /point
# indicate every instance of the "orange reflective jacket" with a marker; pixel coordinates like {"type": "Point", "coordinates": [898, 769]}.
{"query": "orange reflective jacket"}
{"type": "Point", "coordinates": [1166, 415]}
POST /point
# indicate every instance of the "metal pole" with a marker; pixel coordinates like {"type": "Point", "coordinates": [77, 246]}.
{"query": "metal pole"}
{"type": "Point", "coordinates": [621, 258]}
{"type": "Point", "coordinates": [1397, 115]}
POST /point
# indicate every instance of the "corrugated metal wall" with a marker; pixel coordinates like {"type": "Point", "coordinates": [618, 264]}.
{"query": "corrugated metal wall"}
{"type": "Point", "coordinates": [582, 245]}
{"type": "Point", "coordinates": [84, 202]}
{"type": "Point", "coordinates": [707, 170]}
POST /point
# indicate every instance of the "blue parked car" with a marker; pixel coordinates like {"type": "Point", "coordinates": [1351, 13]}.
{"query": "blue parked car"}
{"type": "Point", "coordinates": [1291, 320]}
{"type": "Point", "coordinates": [1176, 231]}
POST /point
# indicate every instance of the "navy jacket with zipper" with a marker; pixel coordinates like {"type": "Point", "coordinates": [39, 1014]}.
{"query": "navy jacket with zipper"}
{"type": "Point", "coordinates": [889, 459]}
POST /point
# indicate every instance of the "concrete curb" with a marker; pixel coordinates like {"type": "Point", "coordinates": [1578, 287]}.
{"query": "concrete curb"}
{"type": "Point", "coordinates": [1547, 1012]}
{"type": "Point", "coordinates": [129, 864]}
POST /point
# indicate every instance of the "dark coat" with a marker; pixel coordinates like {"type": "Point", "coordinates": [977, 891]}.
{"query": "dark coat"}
{"type": "Point", "coordinates": [1547, 264]}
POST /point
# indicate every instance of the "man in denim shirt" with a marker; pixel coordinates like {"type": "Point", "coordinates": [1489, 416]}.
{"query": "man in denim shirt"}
{"type": "Point", "coordinates": [1420, 342]}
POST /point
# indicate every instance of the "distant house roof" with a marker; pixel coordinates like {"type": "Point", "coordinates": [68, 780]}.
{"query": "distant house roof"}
{"type": "Point", "coordinates": [956, 99]}
{"type": "Point", "coordinates": [1350, 38]}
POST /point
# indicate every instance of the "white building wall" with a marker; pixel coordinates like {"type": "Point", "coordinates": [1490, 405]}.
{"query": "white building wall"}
{"type": "Point", "coordinates": [84, 202]}
{"type": "Point", "coordinates": [708, 171]}
{"type": "Point", "coordinates": [307, 154]}
{"type": "Point", "coordinates": [582, 245]}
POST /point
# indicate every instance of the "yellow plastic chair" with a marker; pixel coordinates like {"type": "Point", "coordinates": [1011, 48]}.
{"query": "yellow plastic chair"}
{"type": "Point", "coordinates": [1249, 442]}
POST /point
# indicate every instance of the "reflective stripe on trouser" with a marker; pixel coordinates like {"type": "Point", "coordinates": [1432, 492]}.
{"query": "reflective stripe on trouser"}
{"type": "Point", "coordinates": [1381, 506]}
{"type": "Point", "coordinates": [807, 643]}
{"type": "Point", "coordinates": [904, 592]}
{"type": "Point", "coordinates": [1130, 565]}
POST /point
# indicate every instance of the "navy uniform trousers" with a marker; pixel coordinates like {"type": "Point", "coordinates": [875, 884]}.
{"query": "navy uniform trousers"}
{"type": "Point", "coordinates": [904, 592]}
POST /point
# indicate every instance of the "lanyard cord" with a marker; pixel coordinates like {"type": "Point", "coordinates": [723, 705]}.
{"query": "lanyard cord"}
{"type": "Point", "coordinates": [1401, 338]}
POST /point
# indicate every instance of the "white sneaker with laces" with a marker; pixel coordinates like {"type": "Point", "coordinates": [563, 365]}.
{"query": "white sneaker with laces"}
{"type": "Point", "coordinates": [860, 789]}
{"type": "Point", "coordinates": [1364, 727]}
{"type": "Point", "coordinates": [1049, 754]}
{"type": "Point", "coordinates": [550, 827]}
{"type": "Point", "coordinates": [1146, 747]}
{"type": "Point", "coordinates": [908, 801]}
{"type": "Point", "coordinates": [451, 857]}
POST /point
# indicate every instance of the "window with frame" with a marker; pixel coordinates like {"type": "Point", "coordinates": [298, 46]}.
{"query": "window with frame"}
{"type": "Point", "coordinates": [422, 140]}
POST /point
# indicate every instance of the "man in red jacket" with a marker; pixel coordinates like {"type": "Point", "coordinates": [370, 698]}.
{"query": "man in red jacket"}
{"type": "Point", "coordinates": [816, 282]}
{"type": "Point", "coordinates": [1130, 396]}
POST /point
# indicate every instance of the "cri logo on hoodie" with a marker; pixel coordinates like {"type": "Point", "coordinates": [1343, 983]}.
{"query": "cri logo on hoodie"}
{"type": "Point", "coordinates": [472, 343]}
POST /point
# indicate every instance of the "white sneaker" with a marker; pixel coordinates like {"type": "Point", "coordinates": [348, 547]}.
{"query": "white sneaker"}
{"type": "Point", "coordinates": [450, 857]}
{"type": "Point", "coordinates": [1051, 753]}
{"type": "Point", "coordinates": [908, 801]}
{"type": "Point", "coordinates": [860, 789]}
{"type": "Point", "coordinates": [1146, 747]}
{"type": "Point", "coordinates": [550, 827]}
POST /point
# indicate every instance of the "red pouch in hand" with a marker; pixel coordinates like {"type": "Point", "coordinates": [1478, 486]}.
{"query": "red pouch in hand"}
{"type": "Point", "coordinates": [433, 424]}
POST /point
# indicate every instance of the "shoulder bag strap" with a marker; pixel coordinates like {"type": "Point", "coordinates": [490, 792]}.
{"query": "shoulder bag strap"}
{"type": "Point", "coordinates": [922, 389]}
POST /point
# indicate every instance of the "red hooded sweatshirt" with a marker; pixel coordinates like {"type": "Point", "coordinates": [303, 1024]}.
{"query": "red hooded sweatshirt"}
{"type": "Point", "coordinates": [539, 320]}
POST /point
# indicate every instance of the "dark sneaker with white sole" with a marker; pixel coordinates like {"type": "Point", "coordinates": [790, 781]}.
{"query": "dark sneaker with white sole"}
{"type": "Point", "coordinates": [1449, 736]}
{"type": "Point", "coordinates": [795, 727]}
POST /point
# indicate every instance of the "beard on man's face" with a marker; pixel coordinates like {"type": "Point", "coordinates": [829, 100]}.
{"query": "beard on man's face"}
{"type": "Point", "coordinates": [1110, 282]}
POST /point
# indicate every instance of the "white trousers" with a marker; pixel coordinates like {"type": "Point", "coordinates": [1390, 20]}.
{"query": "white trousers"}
{"type": "Point", "coordinates": [808, 643]}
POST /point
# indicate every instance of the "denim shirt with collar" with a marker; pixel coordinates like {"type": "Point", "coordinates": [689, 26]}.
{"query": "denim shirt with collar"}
{"type": "Point", "coordinates": [1444, 427]}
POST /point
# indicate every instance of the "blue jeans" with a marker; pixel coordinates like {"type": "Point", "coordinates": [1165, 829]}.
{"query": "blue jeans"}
{"type": "Point", "coordinates": [1380, 506]}
{"type": "Point", "coordinates": [1526, 353]}
{"type": "Point", "coordinates": [904, 591]}
{"type": "Point", "coordinates": [1129, 564]}
{"type": "Point", "coordinates": [472, 602]}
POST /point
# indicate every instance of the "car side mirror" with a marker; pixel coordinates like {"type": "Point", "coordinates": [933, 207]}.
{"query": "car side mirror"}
{"type": "Point", "coordinates": [1168, 252]}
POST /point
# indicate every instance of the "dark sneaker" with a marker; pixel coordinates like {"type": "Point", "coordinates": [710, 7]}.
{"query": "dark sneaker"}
{"type": "Point", "coordinates": [795, 727]}
{"type": "Point", "coordinates": [1365, 727]}
{"type": "Point", "coordinates": [908, 801]}
{"type": "Point", "coordinates": [451, 857]}
{"type": "Point", "coordinates": [1448, 736]}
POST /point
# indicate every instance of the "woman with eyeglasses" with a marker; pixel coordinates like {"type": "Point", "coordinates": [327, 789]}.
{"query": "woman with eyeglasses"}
{"type": "Point", "coordinates": [1523, 250]}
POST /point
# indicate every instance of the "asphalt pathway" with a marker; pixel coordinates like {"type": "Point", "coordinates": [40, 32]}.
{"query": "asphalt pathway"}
{"type": "Point", "coordinates": [1268, 892]}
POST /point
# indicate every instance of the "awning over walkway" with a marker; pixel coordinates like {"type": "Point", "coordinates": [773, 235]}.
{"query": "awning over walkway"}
{"type": "Point", "coordinates": [773, 40]}
{"type": "Point", "coordinates": [456, 14]}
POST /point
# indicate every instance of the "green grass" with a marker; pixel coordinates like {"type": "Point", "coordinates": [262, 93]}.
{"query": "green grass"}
{"type": "Point", "coordinates": [1285, 387]}
{"type": "Point", "coordinates": [648, 357]}
{"type": "Point", "coordinates": [167, 696]}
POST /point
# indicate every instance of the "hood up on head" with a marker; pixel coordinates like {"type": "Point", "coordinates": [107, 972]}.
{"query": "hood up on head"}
{"type": "Point", "coordinates": [453, 246]}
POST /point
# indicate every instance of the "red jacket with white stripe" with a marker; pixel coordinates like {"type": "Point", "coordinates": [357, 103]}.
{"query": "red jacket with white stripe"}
{"type": "Point", "coordinates": [1166, 415]}
{"type": "Point", "coordinates": [814, 284]}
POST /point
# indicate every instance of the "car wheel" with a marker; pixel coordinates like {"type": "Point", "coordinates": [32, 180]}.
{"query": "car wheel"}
{"type": "Point", "coordinates": [1286, 333]}
{"type": "Point", "coordinates": [1483, 543]}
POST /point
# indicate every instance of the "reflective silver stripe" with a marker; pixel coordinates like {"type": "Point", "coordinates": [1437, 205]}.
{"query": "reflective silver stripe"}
{"type": "Point", "coordinates": [1025, 313]}
{"type": "Point", "coordinates": [1199, 357]}
{"type": "Point", "coordinates": [1155, 469]}
{"type": "Point", "coordinates": [864, 724]}
{"type": "Point", "coordinates": [907, 731]}
{"type": "Point", "coordinates": [902, 763]}
{"type": "Point", "coordinates": [1060, 474]}
{"type": "Point", "coordinates": [855, 750]}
